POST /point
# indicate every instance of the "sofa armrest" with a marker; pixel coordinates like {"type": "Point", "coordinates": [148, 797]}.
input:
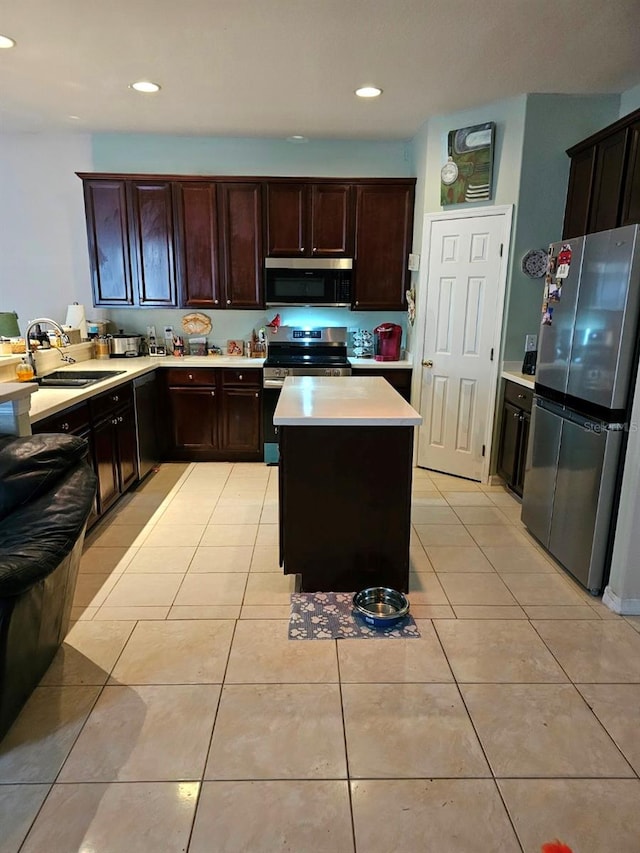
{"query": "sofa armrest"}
{"type": "Point", "coordinates": [35, 537]}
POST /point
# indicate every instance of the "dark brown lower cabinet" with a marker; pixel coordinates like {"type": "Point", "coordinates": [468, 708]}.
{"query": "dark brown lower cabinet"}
{"type": "Point", "coordinates": [107, 422]}
{"type": "Point", "coordinates": [514, 435]}
{"type": "Point", "coordinates": [215, 413]}
{"type": "Point", "coordinates": [345, 506]}
{"type": "Point", "coordinates": [114, 444]}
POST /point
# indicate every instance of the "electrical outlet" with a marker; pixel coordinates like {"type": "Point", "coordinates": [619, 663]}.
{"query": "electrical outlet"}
{"type": "Point", "coordinates": [530, 343]}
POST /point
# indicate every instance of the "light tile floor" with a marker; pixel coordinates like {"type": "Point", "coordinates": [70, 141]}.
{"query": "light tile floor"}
{"type": "Point", "coordinates": [178, 716]}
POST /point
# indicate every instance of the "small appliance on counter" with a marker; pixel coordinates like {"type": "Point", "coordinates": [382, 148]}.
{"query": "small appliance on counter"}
{"type": "Point", "coordinates": [124, 346]}
{"type": "Point", "coordinates": [387, 340]}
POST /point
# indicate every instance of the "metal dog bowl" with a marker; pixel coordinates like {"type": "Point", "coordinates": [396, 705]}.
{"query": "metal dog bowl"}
{"type": "Point", "coordinates": [381, 607]}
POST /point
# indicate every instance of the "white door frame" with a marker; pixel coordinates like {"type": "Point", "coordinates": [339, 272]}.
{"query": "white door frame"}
{"type": "Point", "coordinates": [505, 210]}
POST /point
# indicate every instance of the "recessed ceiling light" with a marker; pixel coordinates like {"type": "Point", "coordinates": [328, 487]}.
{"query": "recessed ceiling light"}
{"type": "Point", "coordinates": [145, 86]}
{"type": "Point", "coordinates": [6, 42]}
{"type": "Point", "coordinates": [297, 138]}
{"type": "Point", "coordinates": [368, 92]}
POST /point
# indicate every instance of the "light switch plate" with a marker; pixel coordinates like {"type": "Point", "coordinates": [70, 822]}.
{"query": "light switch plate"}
{"type": "Point", "coordinates": [414, 262]}
{"type": "Point", "coordinates": [530, 343]}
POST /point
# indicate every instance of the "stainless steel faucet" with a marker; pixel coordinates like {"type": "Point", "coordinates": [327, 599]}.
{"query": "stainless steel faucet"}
{"type": "Point", "coordinates": [59, 330]}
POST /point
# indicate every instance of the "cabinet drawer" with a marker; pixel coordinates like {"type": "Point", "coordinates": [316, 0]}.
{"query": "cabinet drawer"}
{"type": "Point", "coordinates": [518, 395]}
{"type": "Point", "coordinates": [241, 376]}
{"type": "Point", "coordinates": [106, 402]}
{"type": "Point", "coordinates": [188, 376]}
{"type": "Point", "coordinates": [73, 420]}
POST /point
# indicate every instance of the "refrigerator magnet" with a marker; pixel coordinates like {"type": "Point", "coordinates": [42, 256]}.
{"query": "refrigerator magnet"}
{"type": "Point", "coordinates": [555, 291]}
{"type": "Point", "coordinates": [547, 317]}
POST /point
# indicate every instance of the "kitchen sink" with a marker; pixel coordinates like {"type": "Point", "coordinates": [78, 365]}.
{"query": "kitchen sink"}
{"type": "Point", "coordinates": [75, 378]}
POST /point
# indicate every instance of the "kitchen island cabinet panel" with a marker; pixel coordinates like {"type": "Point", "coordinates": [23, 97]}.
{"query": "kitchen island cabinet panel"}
{"type": "Point", "coordinates": [152, 240]}
{"type": "Point", "coordinates": [197, 244]}
{"type": "Point", "coordinates": [108, 242]}
{"type": "Point", "coordinates": [345, 506]}
{"type": "Point", "coordinates": [241, 244]}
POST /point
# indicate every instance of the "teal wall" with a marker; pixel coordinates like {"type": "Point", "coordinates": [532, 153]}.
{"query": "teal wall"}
{"type": "Point", "coordinates": [222, 156]}
{"type": "Point", "coordinates": [553, 123]}
{"type": "Point", "coordinates": [630, 100]}
{"type": "Point", "coordinates": [531, 170]}
{"type": "Point", "coordinates": [194, 155]}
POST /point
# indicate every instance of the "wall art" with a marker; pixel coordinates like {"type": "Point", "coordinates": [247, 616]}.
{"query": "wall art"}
{"type": "Point", "coordinates": [467, 176]}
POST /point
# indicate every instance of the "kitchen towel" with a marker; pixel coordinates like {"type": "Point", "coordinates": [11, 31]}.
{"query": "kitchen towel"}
{"type": "Point", "coordinates": [330, 616]}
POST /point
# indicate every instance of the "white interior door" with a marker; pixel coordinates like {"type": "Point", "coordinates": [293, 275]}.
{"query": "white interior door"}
{"type": "Point", "coordinates": [464, 294]}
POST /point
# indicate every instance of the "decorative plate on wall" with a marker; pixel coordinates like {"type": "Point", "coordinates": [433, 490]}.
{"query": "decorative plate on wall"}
{"type": "Point", "coordinates": [534, 263]}
{"type": "Point", "coordinates": [196, 324]}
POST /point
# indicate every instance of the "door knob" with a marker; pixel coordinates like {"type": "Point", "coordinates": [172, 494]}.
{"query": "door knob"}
{"type": "Point", "coordinates": [427, 363]}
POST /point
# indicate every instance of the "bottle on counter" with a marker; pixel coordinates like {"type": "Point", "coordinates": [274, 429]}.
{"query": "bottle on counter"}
{"type": "Point", "coordinates": [24, 371]}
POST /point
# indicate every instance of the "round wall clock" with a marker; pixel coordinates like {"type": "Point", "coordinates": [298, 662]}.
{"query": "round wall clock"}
{"type": "Point", "coordinates": [534, 263]}
{"type": "Point", "coordinates": [449, 172]}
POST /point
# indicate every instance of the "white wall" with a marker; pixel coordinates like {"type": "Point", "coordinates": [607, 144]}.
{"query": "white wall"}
{"type": "Point", "coordinates": [43, 242]}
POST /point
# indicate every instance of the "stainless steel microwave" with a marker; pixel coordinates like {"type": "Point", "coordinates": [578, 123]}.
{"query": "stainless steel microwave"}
{"type": "Point", "coordinates": [308, 281]}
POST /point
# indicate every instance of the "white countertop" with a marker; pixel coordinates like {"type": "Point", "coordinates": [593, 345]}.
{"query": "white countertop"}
{"type": "Point", "coordinates": [520, 378]}
{"type": "Point", "coordinates": [342, 401]}
{"type": "Point", "coordinates": [387, 365]}
{"type": "Point", "coordinates": [50, 401]}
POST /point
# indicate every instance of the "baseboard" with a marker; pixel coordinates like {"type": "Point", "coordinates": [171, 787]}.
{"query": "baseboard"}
{"type": "Point", "coordinates": [622, 606]}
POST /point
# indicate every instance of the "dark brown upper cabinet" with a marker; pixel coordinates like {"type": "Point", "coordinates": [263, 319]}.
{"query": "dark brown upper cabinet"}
{"type": "Point", "coordinates": [152, 241]}
{"type": "Point", "coordinates": [604, 180]}
{"type": "Point", "coordinates": [197, 246]}
{"type": "Point", "coordinates": [240, 206]}
{"type": "Point", "coordinates": [108, 241]}
{"type": "Point", "coordinates": [306, 219]}
{"type": "Point", "coordinates": [631, 200]}
{"type": "Point", "coordinates": [200, 242]}
{"type": "Point", "coordinates": [384, 222]}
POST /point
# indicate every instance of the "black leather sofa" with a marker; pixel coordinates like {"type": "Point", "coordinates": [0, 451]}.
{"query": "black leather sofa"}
{"type": "Point", "coordinates": [46, 493]}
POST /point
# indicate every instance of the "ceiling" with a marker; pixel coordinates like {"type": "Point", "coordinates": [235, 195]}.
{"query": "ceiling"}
{"type": "Point", "coordinates": [280, 67]}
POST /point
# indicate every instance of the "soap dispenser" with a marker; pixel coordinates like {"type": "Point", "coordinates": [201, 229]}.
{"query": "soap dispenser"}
{"type": "Point", "coordinates": [24, 371]}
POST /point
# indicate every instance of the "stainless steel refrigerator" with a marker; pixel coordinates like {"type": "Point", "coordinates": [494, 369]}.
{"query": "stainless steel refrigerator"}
{"type": "Point", "coordinates": [587, 361]}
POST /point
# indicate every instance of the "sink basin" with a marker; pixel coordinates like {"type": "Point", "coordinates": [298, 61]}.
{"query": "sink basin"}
{"type": "Point", "coordinates": [75, 378]}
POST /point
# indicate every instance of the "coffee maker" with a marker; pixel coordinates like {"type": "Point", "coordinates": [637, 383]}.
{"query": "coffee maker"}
{"type": "Point", "coordinates": [387, 340]}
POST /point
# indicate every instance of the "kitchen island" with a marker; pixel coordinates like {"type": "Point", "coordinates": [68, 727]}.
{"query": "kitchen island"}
{"type": "Point", "coordinates": [346, 459]}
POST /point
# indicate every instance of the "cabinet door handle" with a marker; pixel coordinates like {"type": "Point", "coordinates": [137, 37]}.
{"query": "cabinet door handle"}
{"type": "Point", "coordinates": [64, 426]}
{"type": "Point", "coordinates": [356, 302]}
{"type": "Point", "coordinates": [115, 398]}
{"type": "Point", "coordinates": [520, 396]}
{"type": "Point", "coordinates": [190, 375]}
{"type": "Point", "coordinates": [215, 301]}
{"type": "Point", "coordinates": [228, 302]}
{"type": "Point", "coordinates": [240, 377]}
{"type": "Point", "coordinates": [213, 393]}
{"type": "Point", "coordinates": [302, 248]}
{"type": "Point", "coordinates": [257, 394]}
{"type": "Point", "coordinates": [120, 419]}
{"type": "Point", "coordinates": [516, 415]}
{"type": "Point", "coordinates": [114, 421]}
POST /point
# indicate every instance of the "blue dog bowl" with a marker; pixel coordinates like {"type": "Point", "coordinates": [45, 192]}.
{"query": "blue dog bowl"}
{"type": "Point", "coordinates": [380, 606]}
